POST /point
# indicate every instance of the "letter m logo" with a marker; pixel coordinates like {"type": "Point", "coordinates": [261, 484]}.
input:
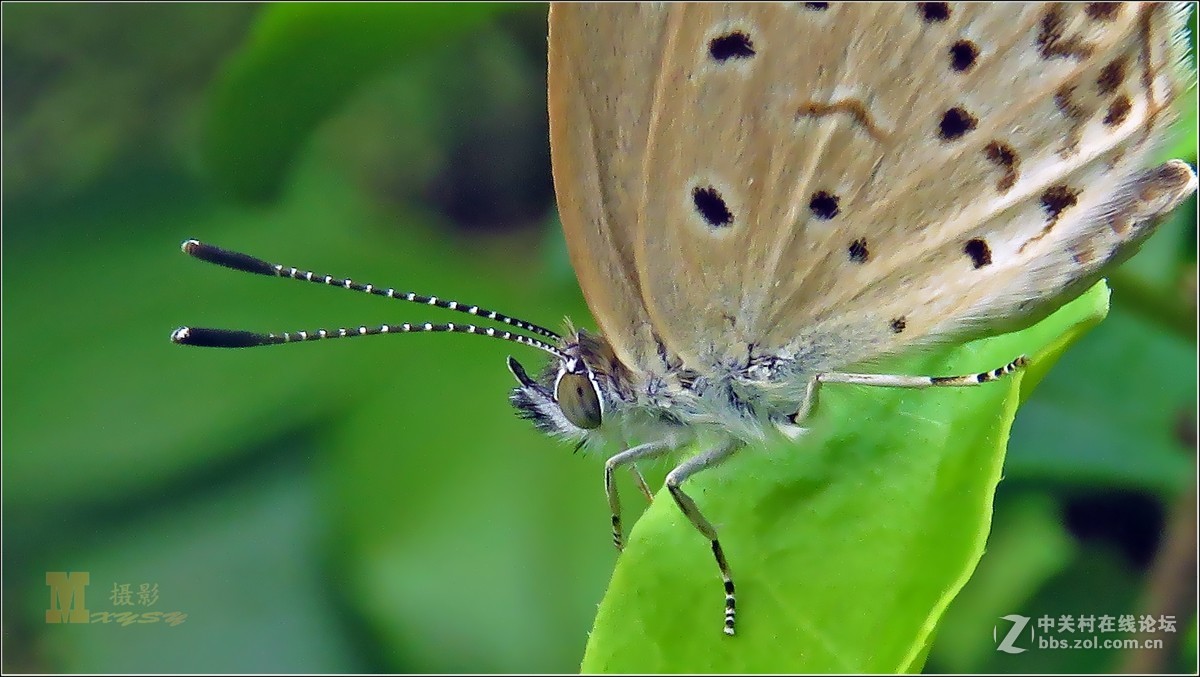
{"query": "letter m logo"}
{"type": "Point", "coordinates": [66, 596]}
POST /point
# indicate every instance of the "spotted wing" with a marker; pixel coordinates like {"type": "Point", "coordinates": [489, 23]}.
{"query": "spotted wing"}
{"type": "Point", "coordinates": [838, 181]}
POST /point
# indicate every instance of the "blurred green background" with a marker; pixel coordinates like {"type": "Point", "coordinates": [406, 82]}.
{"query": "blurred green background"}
{"type": "Point", "coordinates": [372, 506]}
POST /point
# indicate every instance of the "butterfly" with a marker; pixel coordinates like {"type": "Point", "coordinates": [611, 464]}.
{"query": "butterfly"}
{"type": "Point", "coordinates": [756, 198]}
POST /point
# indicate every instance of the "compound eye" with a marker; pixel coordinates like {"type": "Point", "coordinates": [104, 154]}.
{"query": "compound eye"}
{"type": "Point", "coordinates": [577, 398]}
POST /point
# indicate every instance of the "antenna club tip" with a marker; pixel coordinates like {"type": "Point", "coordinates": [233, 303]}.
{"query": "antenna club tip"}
{"type": "Point", "coordinates": [180, 335]}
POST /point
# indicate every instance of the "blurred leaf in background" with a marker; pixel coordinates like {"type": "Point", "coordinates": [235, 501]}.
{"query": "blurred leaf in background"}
{"type": "Point", "coordinates": [375, 505]}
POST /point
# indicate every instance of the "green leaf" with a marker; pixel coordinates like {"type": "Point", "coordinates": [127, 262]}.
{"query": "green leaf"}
{"type": "Point", "coordinates": [847, 546]}
{"type": "Point", "coordinates": [302, 62]}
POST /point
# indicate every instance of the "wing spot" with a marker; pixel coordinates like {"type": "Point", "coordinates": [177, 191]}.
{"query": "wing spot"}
{"type": "Point", "coordinates": [858, 250]}
{"type": "Point", "coordinates": [1111, 76]}
{"type": "Point", "coordinates": [979, 251]}
{"type": "Point", "coordinates": [1065, 102]}
{"type": "Point", "coordinates": [934, 12]}
{"type": "Point", "coordinates": [824, 205]}
{"type": "Point", "coordinates": [1006, 158]}
{"type": "Point", "coordinates": [1057, 199]}
{"type": "Point", "coordinates": [1120, 223]}
{"type": "Point", "coordinates": [853, 107]}
{"type": "Point", "coordinates": [1146, 60]}
{"type": "Point", "coordinates": [735, 45]}
{"type": "Point", "coordinates": [1102, 11]}
{"type": "Point", "coordinates": [1083, 254]}
{"type": "Point", "coordinates": [955, 123]}
{"type": "Point", "coordinates": [963, 55]}
{"type": "Point", "coordinates": [819, 6]}
{"type": "Point", "coordinates": [1118, 111]}
{"type": "Point", "coordinates": [898, 324]}
{"type": "Point", "coordinates": [1052, 43]}
{"type": "Point", "coordinates": [1062, 101]}
{"type": "Point", "coordinates": [711, 207]}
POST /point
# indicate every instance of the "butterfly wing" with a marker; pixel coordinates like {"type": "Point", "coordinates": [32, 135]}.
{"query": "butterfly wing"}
{"type": "Point", "coordinates": [1014, 177]}
{"type": "Point", "coordinates": [841, 181]}
{"type": "Point", "coordinates": [597, 135]}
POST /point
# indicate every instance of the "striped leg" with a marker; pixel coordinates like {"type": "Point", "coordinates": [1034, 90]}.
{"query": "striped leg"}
{"type": "Point", "coordinates": [684, 470]}
{"type": "Point", "coordinates": [628, 456]}
{"type": "Point", "coordinates": [891, 381]}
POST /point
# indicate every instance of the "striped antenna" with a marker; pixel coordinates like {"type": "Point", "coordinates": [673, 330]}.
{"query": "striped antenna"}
{"type": "Point", "coordinates": [230, 338]}
{"type": "Point", "coordinates": [250, 264]}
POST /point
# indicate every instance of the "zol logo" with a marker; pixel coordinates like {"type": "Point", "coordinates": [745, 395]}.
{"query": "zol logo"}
{"type": "Point", "coordinates": [1008, 644]}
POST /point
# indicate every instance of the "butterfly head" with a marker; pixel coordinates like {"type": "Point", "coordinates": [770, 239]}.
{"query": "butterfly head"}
{"type": "Point", "coordinates": [572, 397]}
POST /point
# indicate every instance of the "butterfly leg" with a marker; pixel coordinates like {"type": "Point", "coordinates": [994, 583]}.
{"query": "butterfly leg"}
{"type": "Point", "coordinates": [628, 456]}
{"type": "Point", "coordinates": [892, 381]}
{"type": "Point", "coordinates": [684, 470]}
{"type": "Point", "coordinates": [641, 482]}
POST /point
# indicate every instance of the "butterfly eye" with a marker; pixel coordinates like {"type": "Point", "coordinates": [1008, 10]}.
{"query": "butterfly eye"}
{"type": "Point", "coordinates": [578, 400]}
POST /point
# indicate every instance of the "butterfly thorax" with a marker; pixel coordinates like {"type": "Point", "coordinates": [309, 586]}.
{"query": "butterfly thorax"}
{"type": "Point", "coordinates": [592, 398]}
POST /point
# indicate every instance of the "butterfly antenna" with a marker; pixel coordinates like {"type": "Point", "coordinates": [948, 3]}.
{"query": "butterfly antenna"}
{"type": "Point", "coordinates": [251, 264]}
{"type": "Point", "coordinates": [231, 338]}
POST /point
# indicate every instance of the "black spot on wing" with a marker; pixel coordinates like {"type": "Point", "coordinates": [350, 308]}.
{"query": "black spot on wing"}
{"type": "Point", "coordinates": [1111, 76]}
{"type": "Point", "coordinates": [823, 205]}
{"type": "Point", "coordinates": [1057, 199]}
{"type": "Point", "coordinates": [735, 45]}
{"type": "Point", "coordinates": [711, 207]}
{"type": "Point", "coordinates": [1052, 41]}
{"type": "Point", "coordinates": [963, 55]}
{"type": "Point", "coordinates": [1118, 111]}
{"type": "Point", "coordinates": [955, 123]}
{"type": "Point", "coordinates": [1102, 11]}
{"type": "Point", "coordinates": [858, 250]}
{"type": "Point", "coordinates": [933, 12]}
{"type": "Point", "coordinates": [979, 251]}
{"type": "Point", "coordinates": [1005, 157]}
